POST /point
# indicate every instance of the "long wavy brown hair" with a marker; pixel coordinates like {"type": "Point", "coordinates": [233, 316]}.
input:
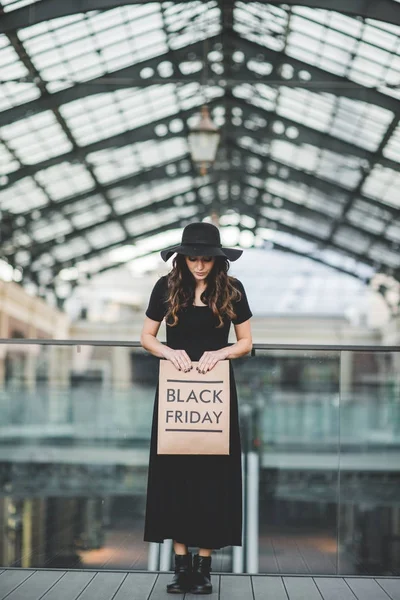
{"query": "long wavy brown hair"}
{"type": "Point", "coordinates": [219, 294]}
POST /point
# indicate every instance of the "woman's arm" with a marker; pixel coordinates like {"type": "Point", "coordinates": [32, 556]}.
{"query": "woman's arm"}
{"type": "Point", "coordinates": [148, 338]}
{"type": "Point", "coordinates": [243, 345]}
{"type": "Point", "coordinates": [149, 341]}
{"type": "Point", "coordinates": [244, 342]}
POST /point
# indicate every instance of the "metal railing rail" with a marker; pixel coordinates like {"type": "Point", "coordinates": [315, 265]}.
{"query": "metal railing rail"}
{"type": "Point", "coordinates": [257, 346]}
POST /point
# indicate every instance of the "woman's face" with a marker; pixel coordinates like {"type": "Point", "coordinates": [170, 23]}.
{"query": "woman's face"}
{"type": "Point", "coordinates": [200, 266]}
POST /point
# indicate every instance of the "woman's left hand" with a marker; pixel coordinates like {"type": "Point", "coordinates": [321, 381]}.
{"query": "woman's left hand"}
{"type": "Point", "coordinates": [210, 359]}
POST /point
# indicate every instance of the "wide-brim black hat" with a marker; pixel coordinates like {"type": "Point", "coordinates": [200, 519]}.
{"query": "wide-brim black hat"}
{"type": "Point", "coordinates": [201, 239]}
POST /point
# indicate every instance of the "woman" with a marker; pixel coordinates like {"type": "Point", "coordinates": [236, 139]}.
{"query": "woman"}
{"type": "Point", "coordinates": [196, 500]}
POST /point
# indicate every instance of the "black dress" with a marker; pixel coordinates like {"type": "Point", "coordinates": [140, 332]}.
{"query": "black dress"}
{"type": "Point", "coordinates": [196, 500]}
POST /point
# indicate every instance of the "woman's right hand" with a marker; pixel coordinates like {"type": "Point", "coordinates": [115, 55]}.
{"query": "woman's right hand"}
{"type": "Point", "coordinates": [179, 359]}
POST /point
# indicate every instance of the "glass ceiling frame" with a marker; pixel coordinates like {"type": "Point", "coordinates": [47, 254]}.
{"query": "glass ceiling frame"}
{"type": "Point", "coordinates": [45, 10]}
{"type": "Point", "coordinates": [248, 140]}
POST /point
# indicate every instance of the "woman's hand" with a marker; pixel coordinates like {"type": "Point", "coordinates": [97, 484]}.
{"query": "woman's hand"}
{"type": "Point", "coordinates": [210, 359]}
{"type": "Point", "coordinates": [179, 359]}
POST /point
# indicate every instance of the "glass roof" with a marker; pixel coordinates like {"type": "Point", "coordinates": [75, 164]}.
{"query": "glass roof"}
{"type": "Point", "coordinates": [95, 109]}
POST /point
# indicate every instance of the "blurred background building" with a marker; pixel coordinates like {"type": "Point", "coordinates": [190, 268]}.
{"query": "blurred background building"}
{"type": "Point", "coordinates": [98, 174]}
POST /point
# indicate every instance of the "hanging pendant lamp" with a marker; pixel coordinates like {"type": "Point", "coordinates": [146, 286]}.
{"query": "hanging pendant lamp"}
{"type": "Point", "coordinates": [203, 141]}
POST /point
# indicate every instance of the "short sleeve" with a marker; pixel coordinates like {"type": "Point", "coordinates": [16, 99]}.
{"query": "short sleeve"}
{"type": "Point", "coordinates": [157, 307]}
{"type": "Point", "coordinates": [241, 307]}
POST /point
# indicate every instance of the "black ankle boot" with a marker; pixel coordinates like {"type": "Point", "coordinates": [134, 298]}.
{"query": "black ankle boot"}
{"type": "Point", "coordinates": [181, 580]}
{"type": "Point", "coordinates": [201, 579]}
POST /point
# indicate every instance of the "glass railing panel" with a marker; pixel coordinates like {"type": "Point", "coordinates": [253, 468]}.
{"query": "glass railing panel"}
{"type": "Point", "coordinates": [74, 441]}
{"type": "Point", "coordinates": [290, 417]}
{"type": "Point", "coordinates": [320, 436]}
{"type": "Point", "coordinates": [369, 524]}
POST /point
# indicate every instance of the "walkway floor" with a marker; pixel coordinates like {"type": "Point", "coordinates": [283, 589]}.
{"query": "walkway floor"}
{"type": "Point", "coordinates": [31, 584]}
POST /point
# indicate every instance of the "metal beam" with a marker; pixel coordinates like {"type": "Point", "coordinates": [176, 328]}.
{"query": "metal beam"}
{"type": "Point", "coordinates": [26, 60]}
{"type": "Point", "coordinates": [158, 175]}
{"type": "Point", "coordinates": [153, 175]}
{"type": "Point", "coordinates": [295, 231]}
{"type": "Point", "coordinates": [280, 246]}
{"type": "Point", "coordinates": [132, 136]}
{"type": "Point", "coordinates": [306, 135]}
{"type": "Point", "coordinates": [320, 79]}
{"type": "Point", "coordinates": [180, 222]}
{"type": "Point", "coordinates": [377, 158]}
{"type": "Point", "coordinates": [245, 210]}
{"type": "Point", "coordinates": [38, 249]}
{"type": "Point", "coordinates": [301, 210]}
{"type": "Point", "coordinates": [329, 188]}
{"type": "Point", "coordinates": [276, 246]}
{"type": "Point", "coordinates": [128, 77]}
{"type": "Point", "coordinates": [382, 10]}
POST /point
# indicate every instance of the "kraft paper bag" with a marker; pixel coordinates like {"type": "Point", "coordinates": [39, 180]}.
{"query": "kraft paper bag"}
{"type": "Point", "coordinates": [193, 410]}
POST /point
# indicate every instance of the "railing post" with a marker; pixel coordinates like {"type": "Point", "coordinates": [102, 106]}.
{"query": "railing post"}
{"type": "Point", "coordinates": [238, 551]}
{"type": "Point", "coordinates": [165, 555]}
{"type": "Point", "coordinates": [252, 512]}
{"type": "Point", "coordinates": [153, 557]}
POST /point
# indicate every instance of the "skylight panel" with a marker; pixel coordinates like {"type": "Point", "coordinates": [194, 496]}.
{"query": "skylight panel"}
{"type": "Point", "coordinates": [10, 5]}
{"type": "Point", "coordinates": [360, 123]}
{"type": "Point", "coordinates": [374, 33]}
{"type": "Point", "coordinates": [383, 184]}
{"type": "Point", "coordinates": [95, 43]}
{"type": "Point", "coordinates": [113, 164]}
{"type": "Point", "coordinates": [193, 22]}
{"type": "Point", "coordinates": [285, 189]}
{"type": "Point", "coordinates": [127, 200]}
{"type": "Point", "coordinates": [73, 249]}
{"type": "Point", "coordinates": [87, 214]}
{"type": "Point", "coordinates": [11, 67]}
{"type": "Point", "coordinates": [382, 253]}
{"type": "Point", "coordinates": [8, 164]}
{"type": "Point", "coordinates": [306, 107]}
{"type": "Point", "coordinates": [378, 212]}
{"type": "Point", "coordinates": [44, 230]}
{"type": "Point", "coordinates": [393, 233]}
{"type": "Point", "coordinates": [173, 187]}
{"type": "Point", "coordinates": [392, 148]}
{"type": "Point", "coordinates": [366, 72]}
{"type": "Point", "coordinates": [348, 25]}
{"type": "Point", "coordinates": [140, 225]}
{"type": "Point", "coordinates": [22, 197]}
{"type": "Point", "coordinates": [151, 152]}
{"type": "Point", "coordinates": [39, 41]}
{"type": "Point", "coordinates": [331, 204]}
{"type": "Point", "coordinates": [97, 117]}
{"type": "Point", "coordinates": [76, 206]}
{"type": "Point", "coordinates": [66, 29]}
{"type": "Point", "coordinates": [359, 215]}
{"type": "Point", "coordinates": [318, 227]}
{"type": "Point", "coordinates": [260, 22]}
{"type": "Point", "coordinates": [65, 179]}
{"type": "Point", "coordinates": [106, 234]}
{"type": "Point", "coordinates": [306, 159]}
{"type": "Point", "coordinates": [352, 238]}
{"type": "Point", "coordinates": [13, 94]}
{"type": "Point", "coordinates": [36, 138]}
{"type": "Point", "coordinates": [342, 169]}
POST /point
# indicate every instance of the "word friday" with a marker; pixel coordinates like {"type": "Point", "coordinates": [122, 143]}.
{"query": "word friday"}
{"type": "Point", "coordinates": [192, 416]}
{"type": "Point", "coordinates": [206, 396]}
